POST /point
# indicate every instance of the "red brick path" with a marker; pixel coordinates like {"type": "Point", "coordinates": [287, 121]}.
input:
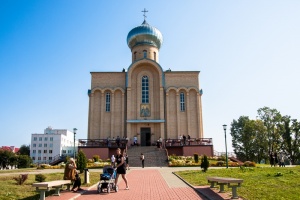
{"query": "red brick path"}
{"type": "Point", "coordinates": [144, 184]}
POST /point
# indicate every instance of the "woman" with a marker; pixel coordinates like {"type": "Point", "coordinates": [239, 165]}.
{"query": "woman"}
{"type": "Point", "coordinates": [70, 170]}
{"type": "Point", "coordinates": [121, 168]}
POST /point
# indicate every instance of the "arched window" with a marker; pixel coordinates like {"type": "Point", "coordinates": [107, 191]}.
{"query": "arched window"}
{"type": "Point", "coordinates": [182, 102]}
{"type": "Point", "coordinates": [145, 89]}
{"type": "Point", "coordinates": [107, 102]}
{"type": "Point", "coordinates": [134, 56]}
{"type": "Point", "coordinates": [155, 56]}
{"type": "Point", "coordinates": [145, 53]}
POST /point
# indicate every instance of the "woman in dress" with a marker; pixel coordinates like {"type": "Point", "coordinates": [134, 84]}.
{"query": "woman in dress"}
{"type": "Point", "coordinates": [121, 167]}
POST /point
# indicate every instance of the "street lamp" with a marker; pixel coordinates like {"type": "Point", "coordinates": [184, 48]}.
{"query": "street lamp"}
{"type": "Point", "coordinates": [224, 127]}
{"type": "Point", "coordinates": [74, 131]}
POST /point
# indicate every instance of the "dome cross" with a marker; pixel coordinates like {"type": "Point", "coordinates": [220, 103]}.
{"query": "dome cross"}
{"type": "Point", "coordinates": [144, 11]}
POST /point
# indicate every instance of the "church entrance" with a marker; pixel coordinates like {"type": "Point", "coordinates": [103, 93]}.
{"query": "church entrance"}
{"type": "Point", "coordinates": [145, 137]}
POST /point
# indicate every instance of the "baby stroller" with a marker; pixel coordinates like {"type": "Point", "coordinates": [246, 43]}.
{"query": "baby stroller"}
{"type": "Point", "coordinates": [107, 180]}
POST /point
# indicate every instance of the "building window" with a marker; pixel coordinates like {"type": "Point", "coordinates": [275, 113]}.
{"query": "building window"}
{"type": "Point", "coordinates": [45, 139]}
{"type": "Point", "coordinates": [107, 108]}
{"type": "Point", "coordinates": [40, 145]}
{"type": "Point", "coordinates": [50, 145]}
{"type": "Point", "coordinates": [145, 53]}
{"type": "Point", "coordinates": [50, 158]}
{"type": "Point", "coordinates": [35, 139]}
{"type": "Point", "coordinates": [51, 138]}
{"type": "Point", "coordinates": [64, 151]}
{"type": "Point", "coordinates": [39, 151]}
{"type": "Point", "coordinates": [33, 151]}
{"type": "Point", "coordinates": [40, 138]}
{"type": "Point", "coordinates": [155, 56]}
{"type": "Point", "coordinates": [33, 158]}
{"type": "Point", "coordinates": [69, 151]}
{"type": "Point", "coordinates": [50, 151]}
{"type": "Point", "coordinates": [33, 145]}
{"type": "Point", "coordinates": [39, 158]}
{"type": "Point", "coordinates": [44, 158]}
{"type": "Point", "coordinates": [45, 145]}
{"type": "Point", "coordinates": [134, 56]}
{"type": "Point", "coordinates": [182, 103]}
{"type": "Point", "coordinates": [145, 89]}
{"type": "Point", "coordinates": [45, 151]}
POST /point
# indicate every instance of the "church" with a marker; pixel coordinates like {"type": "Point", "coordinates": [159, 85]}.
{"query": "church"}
{"type": "Point", "coordinates": [145, 100]}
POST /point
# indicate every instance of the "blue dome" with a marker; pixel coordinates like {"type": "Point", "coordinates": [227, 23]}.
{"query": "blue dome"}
{"type": "Point", "coordinates": [144, 34]}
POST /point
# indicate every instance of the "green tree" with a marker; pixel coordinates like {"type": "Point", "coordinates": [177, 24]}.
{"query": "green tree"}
{"type": "Point", "coordinates": [6, 158]}
{"type": "Point", "coordinates": [204, 163]}
{"type": "Point", "coordinates": [271, 118]}
{"type": "Point", "coordinates": [24, 161]}
{"type": "Point", "coordinates": [81, 161]}
{"type": "Point", "coordinates": [290, 137]}
{"type": "Point", "coordinates": [24, 150]}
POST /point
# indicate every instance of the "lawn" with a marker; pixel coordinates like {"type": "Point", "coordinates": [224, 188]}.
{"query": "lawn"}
{"type": "Point", "coordinates": [11, 191]}
{"type": "Point", "coordinates": [261, 183]}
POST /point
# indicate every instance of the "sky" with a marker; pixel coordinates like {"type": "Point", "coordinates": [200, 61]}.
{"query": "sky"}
{"type": "Point", "coordinates": [247, 53]}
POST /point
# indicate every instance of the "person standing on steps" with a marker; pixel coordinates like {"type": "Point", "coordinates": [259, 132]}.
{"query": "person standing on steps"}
{"type": "Point", "coordinates": [142, 159]}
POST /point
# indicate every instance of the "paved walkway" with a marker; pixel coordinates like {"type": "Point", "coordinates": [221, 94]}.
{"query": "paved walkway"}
{"type": "Point", "coordinates": [146, 184]}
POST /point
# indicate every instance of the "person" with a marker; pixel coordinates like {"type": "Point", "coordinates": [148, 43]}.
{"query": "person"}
{"type": "Point", "coordinates": [180, 139]}
{"type": "Point", "coordinates": [113, 160]}
{"type": "Point", "coordinates": [126, 160]}
{"type": "Point", "coordinates": [142, 159]}
{"type": "Point", "coordinates": [275, 159]}
{"type": "Point", "coordinates": [184, 139]}
{"type": "Point", "coordinates": [77, 183]}
{"type": "Point", "coordinates": [189, 139]}
{"type": "Point", "coordinates": [281, 160]}
{"type": "Point", "coordinates": [70, 170]}
{"type": "Point", "coordinates": [134, 140]}
{"type": "Point", "coordinates": [121, 168]}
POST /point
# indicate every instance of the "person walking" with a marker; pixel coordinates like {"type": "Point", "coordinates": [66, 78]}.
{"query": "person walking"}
{"type": "Point", "coordinates": [142, 159]}
{"type": "Point", "coordinates": [121, 168]}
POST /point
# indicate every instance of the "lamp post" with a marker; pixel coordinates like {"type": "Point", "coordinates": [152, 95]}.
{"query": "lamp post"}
{"type": "Point", "coordinates": [224, 127]}
{"type": "Point", "coordinates": [74, 131]}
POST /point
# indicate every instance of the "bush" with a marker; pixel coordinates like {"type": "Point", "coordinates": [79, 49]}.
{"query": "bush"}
{"type": "Point", "coordinates": [204, 163]}
{"type": "Point", "coordinates": [21, 178]}
{"type": "Point", "coordinates": [40, 177]}
{"type": "Point", "coordinates": [220, 163]}
{"type": "Point", "coordinates": [196, 157]}
{"type": "Point", "coordinates": [96, 158]}
{"type": "Point", "coordinates": [249, 164]}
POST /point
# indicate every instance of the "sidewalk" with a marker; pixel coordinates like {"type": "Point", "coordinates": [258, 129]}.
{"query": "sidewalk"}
{"type": "Point", "coordinates": [147, 183]}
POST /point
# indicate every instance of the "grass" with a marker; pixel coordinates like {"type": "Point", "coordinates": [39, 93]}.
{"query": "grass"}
{"type": "Point", "coordinates": [261, 183]}
{"type": "Point", "coordinates": [11, 191]}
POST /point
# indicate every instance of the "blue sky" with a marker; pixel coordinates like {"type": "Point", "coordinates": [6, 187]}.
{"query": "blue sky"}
{"type": "Point", "coordinates": [247, 52]}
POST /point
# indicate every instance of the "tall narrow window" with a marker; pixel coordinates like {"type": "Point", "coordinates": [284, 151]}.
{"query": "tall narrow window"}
{"type": "Point", "coordinates": [107, 107]}
{"type": "Point", "coordinates": [182, 102]}
{"type": "Point", "coordinates": [145, 89]}
{"type": "Point", "coordinates": [154, 56]}
{"type": "Point", "coordinates": [134, 56]}
{"type": "Point", "coordinates": [145, 53]}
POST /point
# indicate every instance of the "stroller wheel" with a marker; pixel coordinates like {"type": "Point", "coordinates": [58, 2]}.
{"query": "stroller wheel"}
{"type": "Point", "coordinates": [108, 189]}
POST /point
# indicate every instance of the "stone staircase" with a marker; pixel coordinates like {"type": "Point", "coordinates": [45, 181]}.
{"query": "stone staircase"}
{"type": "Point", "coordinates": [154, 157]}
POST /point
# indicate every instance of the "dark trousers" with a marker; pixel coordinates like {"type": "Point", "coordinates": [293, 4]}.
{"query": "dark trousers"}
{"type": "Point", "coordinates": [143, 163]}
{"type": "Point", "coordinates": [77, 183]}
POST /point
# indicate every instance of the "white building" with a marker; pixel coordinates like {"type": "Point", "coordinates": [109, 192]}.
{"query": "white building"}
{"type": "Point", "coordinates": [54, 143]}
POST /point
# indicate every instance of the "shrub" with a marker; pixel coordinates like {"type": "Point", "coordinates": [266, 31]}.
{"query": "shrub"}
{"type": "Point", "coordinates": [220, 163]}
{"type": "Point", "coordinates": [96, 158]}
{"type": "Point", "coordinates": [21, 178]}
{"type": "Point", "coordinates": [40, 177]}
{"type": "Point", "coordinates": [81, 161]}
{"type": "Point", "coordinates": [196, 157]}
{"type": "Point", "coordinates": [249, 164]}
{"type": "Point", "coordinates": [204, 163]}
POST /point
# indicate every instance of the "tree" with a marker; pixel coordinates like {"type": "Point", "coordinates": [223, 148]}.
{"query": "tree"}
{"type": "Point", "coordinates": [6, 158]}
{"type": "Point", "coordinates": [271, 117]}
{"type": "Point", "coordinates": [204, 163]}
{"type": "Point", "coordinates": [24, 150]}
{"type": "Point", "coordinates": [290, 137]}
{"type": "Point", "coordinates": [24, 161]}
{"type": "Point", "coordinates": [81, 161]}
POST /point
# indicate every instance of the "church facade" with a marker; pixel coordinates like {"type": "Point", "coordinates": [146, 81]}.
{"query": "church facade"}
{"type": "Point", "coordinates": [145, 101]}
